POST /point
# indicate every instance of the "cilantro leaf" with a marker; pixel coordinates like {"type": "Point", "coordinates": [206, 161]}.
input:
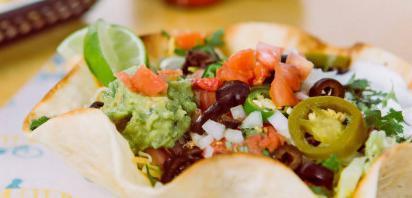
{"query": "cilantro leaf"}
{"type": "Point", "coordinates": [332, 163]}
{"type": "Point", "coordinates": [165, 34]}
{"type": "Point", "coordinates": [390, 123]}
{"type": "Point", "coordinates": [215, 39]}
{"type": "Point", "coordinates": [180, 52]}
{"type": "Point", "coordinates": [320, 191]}
{"type": "Point", "coordinates": [266, 153]}
{"type": "Point", "coordinates": [358, 84]}
{"type": "Point", "coordinates": [37, 122]}
{"type": "Point", "coordinates": [368, 101]}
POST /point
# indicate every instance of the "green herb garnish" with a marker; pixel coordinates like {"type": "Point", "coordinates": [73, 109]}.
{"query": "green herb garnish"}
{"type": "Point", "coordinates": [215, 39]}
{"type": "Point", "coordinates": [367, 100]}
{"type": "Point", "coordinates": [180, 52]}
{"type": "Point", "coordinates": [37, 122]}
{"type": "Point", "coordinates": [165, 34]}
{"type": "Point", "coordinates": [360, 92]}
{"type": "Point", "coordinates": [390, 123]}
{"type": "Point", "coordinates": [332, 163]}
{"type": "Point", "coordinates": [266, 153]}
{"type": "Point", "coordinates": [151, 178]}
{"type": "Point", "coordinates": [320, 191]}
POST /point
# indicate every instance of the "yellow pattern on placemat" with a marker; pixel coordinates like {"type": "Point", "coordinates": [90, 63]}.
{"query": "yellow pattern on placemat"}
{"type": "Point", "coordinates": [33, 193]}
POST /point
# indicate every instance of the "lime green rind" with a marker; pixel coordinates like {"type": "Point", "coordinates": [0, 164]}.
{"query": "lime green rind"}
{"type": "Point", "coordinates": [94, 59]}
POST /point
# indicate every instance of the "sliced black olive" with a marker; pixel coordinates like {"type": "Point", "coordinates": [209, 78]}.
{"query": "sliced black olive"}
{"type": "Point", "coordinates": [283, 58]}
{"type": "Point", "coordinates": [228, 121]}
{"type": "Point", "coordinates": [122, 123]}
{"type": "Point", "coordinates": [199, 58]}
{"type": "Point", "coordinates": [231, 94]}
{"type": "Point", "coordinates": [97, 105]}
{"type": "Point", "coordinates": [289, 155]}
{"type": "Point", "coordinates": [234, 90]}
{"type": "Point", "coordinates": [179, 159]}
{"type": "Point", "coordinates": [316, 174]}
{"type": "Point", "coordinates": [327, 87]}
{"type": "Point", "coordinates": [311, 140]}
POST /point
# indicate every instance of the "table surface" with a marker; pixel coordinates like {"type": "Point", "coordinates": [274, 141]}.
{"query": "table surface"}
{"type": "Point", "coordinates": [383, 23]}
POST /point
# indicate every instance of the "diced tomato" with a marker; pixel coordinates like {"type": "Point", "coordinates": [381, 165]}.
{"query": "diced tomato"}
{"type": "Point", "coordinates": [170, 74]}
{"type": "Point", "coordinates": [272, 140]}
{"type": "Point", "coordinates": [252, 143]}
{"type": "Point", "coordinates": [205, 98]}
{"type": "Point", "coordinates": [125, 78]}
{"type": "Point", "coordinates": [281, 93]}
{"type": "Point", "coordinates": [159, 156]}
{"type": "Point", "coordinates": [208, 84]}
{"type": "Point", "coordinates": [188, 40]}
{"type": "Point", "coordinates": [261, 73]}
{"type": "Point", "coordinates": [303, 65]}
{"type": "Point", "coordinates": [268, 56]}
{"type": "Point", "coordinates": [291, 75]}
{"type": "Point", "coordinates": [219, 147]}
{"type": "Point", "coordinates": [239, 66]}
{"type": "Point", "coordinates": [145, 81]}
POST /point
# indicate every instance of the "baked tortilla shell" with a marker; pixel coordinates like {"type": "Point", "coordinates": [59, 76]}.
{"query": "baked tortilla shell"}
{"type": "Point", "coordinates": [204, 179]}
{"type": "Point", "coordinates": [79, 86]}
{"type": "Point", "coordinates": [87, 140]}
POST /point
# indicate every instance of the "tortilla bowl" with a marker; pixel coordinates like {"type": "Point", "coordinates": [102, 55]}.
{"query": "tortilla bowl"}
{"type": "Point", "coordinates": [90, 142]}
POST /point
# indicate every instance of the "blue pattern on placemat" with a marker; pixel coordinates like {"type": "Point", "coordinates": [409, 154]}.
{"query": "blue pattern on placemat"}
{"type": "Point", "coordinates": [15, 183]}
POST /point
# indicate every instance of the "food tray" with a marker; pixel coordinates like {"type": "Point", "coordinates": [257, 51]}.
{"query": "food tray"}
{"type": "Point", "coordinates": [21, 18]}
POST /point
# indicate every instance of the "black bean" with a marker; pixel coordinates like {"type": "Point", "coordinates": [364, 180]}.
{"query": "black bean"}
{"type": "Point", "coordinates": [97, 105]}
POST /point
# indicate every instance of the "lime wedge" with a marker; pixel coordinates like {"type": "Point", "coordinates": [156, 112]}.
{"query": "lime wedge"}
{"type": "Point", "coordinates": [111, 48]}
{"type": "Point", "coordinates": [72, 46]}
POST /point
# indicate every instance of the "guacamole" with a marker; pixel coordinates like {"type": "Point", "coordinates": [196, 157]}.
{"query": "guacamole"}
{"type": "Point", "coordinates": [150, 121]}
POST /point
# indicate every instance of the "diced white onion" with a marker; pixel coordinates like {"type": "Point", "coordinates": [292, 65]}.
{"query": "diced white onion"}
{"type": "Point", "coordinates": [253, 120]}
{"type": "Point", "coordinates": [237, 112]}
{"type": "Point", "coordinates": [208, 152]}
{"type": "Point", "coordinates": [280, 122]}
{"type": "Point", "coordinates": [234, 136]}
{"type": "Point", "coordinates": [289, 110]}
{"type": "Point", "coordinates": [318, 74]}
{"type": "Point", "coordinates": [301, 95]}
{"type": "Point", "coordinates": [202, 141]}
{"type": "Point", "coordinates": [215, 129]}
{"type": "Point", "coordinates": [173, 62]}
{"type": "Point", "coordinates": [195, 137]}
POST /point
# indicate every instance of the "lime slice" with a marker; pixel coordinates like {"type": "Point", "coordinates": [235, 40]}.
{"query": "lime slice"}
{"type": "Point", "coordinates": [72, 46]}
{"type": "Point", "coordinates": [111, 48]}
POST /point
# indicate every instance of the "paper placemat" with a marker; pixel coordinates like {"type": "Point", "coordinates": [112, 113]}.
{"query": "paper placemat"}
{"type": "Point", "coordinates": [28, 169]}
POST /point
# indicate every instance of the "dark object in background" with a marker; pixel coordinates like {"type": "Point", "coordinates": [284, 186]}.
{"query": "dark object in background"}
{"type": "Point", "coordinates": [192, 3]}
{"type": "Point", "coordinates": [36, 16]}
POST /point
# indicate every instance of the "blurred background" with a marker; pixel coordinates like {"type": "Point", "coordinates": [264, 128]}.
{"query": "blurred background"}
{"type": "Point", "coordinates": [383, 23]}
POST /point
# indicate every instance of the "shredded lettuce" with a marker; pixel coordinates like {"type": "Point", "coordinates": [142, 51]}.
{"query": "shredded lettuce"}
{"type": "Point", "coordinates": [376, 144]}
{"type": "Point", "coordinates": [349, 177]}
{"type": "Point", "coordinates": [332, 163]}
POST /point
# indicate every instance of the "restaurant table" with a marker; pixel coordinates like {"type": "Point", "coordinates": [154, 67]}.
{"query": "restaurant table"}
{"type": "Point", "coordinates": [29, 67]}
{"type": "Point", "coordinates": [383, 23]}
